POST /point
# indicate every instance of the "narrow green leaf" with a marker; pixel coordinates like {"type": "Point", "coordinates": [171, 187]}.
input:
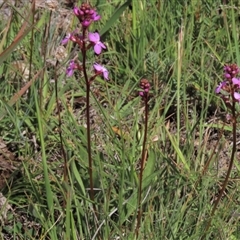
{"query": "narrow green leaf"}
{"type": "Point", "coordinates": [20, 36]}
{"type": "Point", "coordinates": [149, 169]}
{"type": "Point", "coordinates": [178, 151]}
{"type": "Point", "coordinates": [114, 17]}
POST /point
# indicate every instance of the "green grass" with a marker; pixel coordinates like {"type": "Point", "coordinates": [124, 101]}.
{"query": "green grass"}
{"type": "Point", "coordinates": [180, 47]}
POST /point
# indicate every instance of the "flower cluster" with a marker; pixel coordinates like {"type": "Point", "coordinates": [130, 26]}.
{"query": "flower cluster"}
{"type": "Point", "coordinates": [229, 88]}
{"type": "Point", "coordinates": [86, 15]}
{"type": "Point", "coordinates": [145, 86]}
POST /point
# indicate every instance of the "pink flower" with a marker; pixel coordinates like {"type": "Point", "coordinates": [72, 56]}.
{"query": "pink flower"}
{"type": "Point", "coordinates": [145, 87]}
{"type": "Point", "coordinates": [236, 82]}
{"type": "Point", "coordinates": [86, 23]}
{"type": "Point", "coordinates": [95, 16]}
{"type": "Point", "coordinates": [220, 86]}
{"type": "Point", "coordinates": [102, 70]}
{"type": "Point", "coordinates": [86, 14]}
{"type": "Point", "coordinates": [77, 11]}
{"type": "Point", "coordinates": [66, 39]}
{"type": "Point", "coordinates": [237, 96]}
{"type": "Point", "coordinates": [230, 71]}
{"type": "Point", "coordinates": [72, 66]}
{"type": "Point", "coordinates": [71, 37]}
{"type": "Point", "coordinates": [94, 38]}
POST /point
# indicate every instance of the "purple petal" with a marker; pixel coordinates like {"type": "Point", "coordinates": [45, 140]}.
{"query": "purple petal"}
{"type": "Point", "coordinates": [94, 37]}
{"type": "Point", "coordinates": [101, 69]}
{"type": "Point", "coordinates": [237, 96]}
{"type": "Point", "coordinates": [66, 39]}
{"type": "Point", "coordinates": [236, 81]}
{"type": "Point", "coordinates": [102, 45]}
{"type": "Point", "coordinates": [105, 74]}
{"type": "Point", "coordinates": [86, 23]}
{"type": "Point", "coordinates": [70, 68]}
{"type": "Point", "coordinates": [69, 72]}
{"type": "Point", "coordinates": [104, 69]}
{"type": "Point", "coordinates": [220, 86]}
{"type": "Point", "coordinates": [91, 11]}
{"type": "Point", "coordinates": [97, 49]}
{"type": "Point", "coordinates": [227, 75]}
{"type": "Point", "coordinates": [95, 16]}
{"type": "Point", "coordinates": [77, 11]}
{"type": "Point", "coordinates": [227, 68]}
{"type": "Point", "coordinates": [97, 67]}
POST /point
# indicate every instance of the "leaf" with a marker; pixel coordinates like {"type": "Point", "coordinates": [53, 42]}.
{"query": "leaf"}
{"type": "Point", "coordinates": [18, 95]}
{"type": "Point", "coordinates": [114, 17]}
{"type": "Point", "coordinates": [25, 29]}
{"type": "Point", "coordinates": [131, 205]}
{"type": "Point", "coordinates": [125, 109]}
{"type": "Point", "coordinates": [150, 164]}
{"type": "Point", "coordinates": [78, 177]}
{"type": "Point", "coordinates": [178, 151]}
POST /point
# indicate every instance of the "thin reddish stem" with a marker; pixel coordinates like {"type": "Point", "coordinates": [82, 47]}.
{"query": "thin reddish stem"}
{"type": "Point", "coordinates": [224, 185]}
{"type": "Point", "coordinates": [90, 165]}
{"type": "Point", "coordinates": [142, 167]}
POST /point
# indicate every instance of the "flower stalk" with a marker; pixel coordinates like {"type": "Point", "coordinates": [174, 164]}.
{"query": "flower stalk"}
{"type": "Point", "coordinates": [144, 94]}
{"type": "Point", "coordinates": [85, 41]}
{"type": "Point", "coordinates": [229, 92]}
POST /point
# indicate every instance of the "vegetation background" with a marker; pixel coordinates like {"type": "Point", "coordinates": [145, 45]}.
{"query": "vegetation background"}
{"type": "Point", "coordinates": [181, 48]}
